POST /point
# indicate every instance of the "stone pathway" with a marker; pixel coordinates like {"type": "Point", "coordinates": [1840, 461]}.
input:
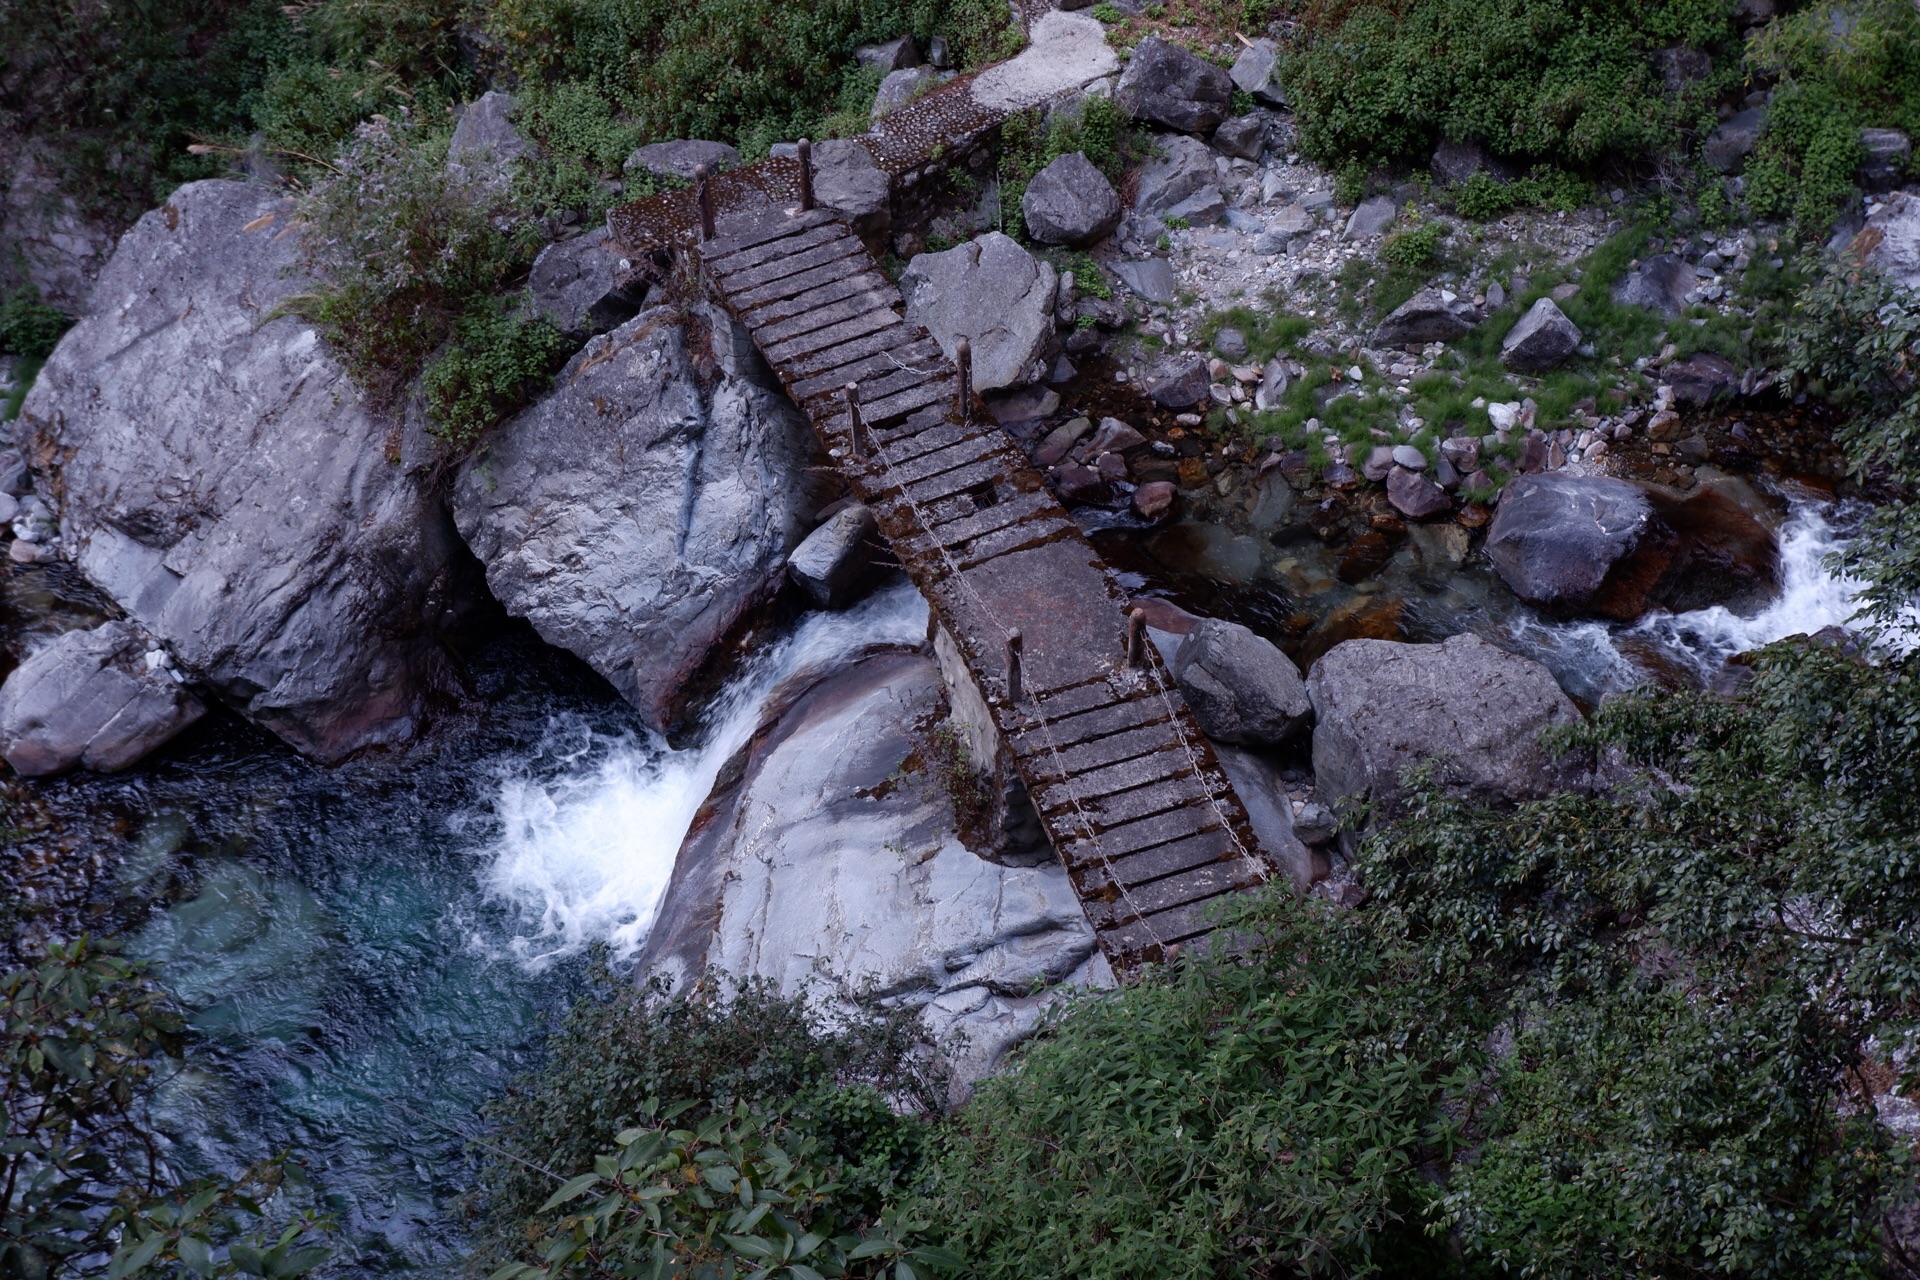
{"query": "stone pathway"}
{"type": "Point", "coordinates": [1129, 790]}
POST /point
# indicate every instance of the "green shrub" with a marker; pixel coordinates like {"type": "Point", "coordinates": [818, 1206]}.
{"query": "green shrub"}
{"type": "Point", "coordinates": [724, 69]}
{"type": "Point", "coordinates": [1482, 196]}
{"type": "Point", "coordinates": [495, 362]}
{"type": "Point", "coordinates": [87, 1186]}
{"type": "Point", "coordinates": [1570, 80]}
{"type": "Point", "coordinates": [401, 251]}
{"type": "Point", "coordinates": [1266, 1114]}
{"type": "Point", "coordinates": [736, 1194]}
{"type": "Point", "coordinates": [1416, 246]}
{"type": "Point", "coordinates": [626, 1052]}
{"type": "Point", "coordinates": [28, 326]}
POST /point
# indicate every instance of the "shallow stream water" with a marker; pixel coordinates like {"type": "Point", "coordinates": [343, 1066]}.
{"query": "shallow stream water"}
{"type": "Point", "coordinates": [371, 952]}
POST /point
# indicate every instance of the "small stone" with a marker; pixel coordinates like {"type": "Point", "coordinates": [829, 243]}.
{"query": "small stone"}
{"type": "Point", "coordinates": [1154, 499]}
{"type": "Point", "coordinates": [1379, 462]}
{"type": "Point", "coordinates": [1231, 343]}
{"type": "Point", "coordinates": [681, 158]}
{"type": "Point", "coordinates": [832, 563]}
{"type": "Point", "coordinates": [1082, 485]}
{"type": "Point", "coordinates": [1414, 496]}
{"type": "Point", "coordinates": [1178, 381]}
{"type": "Point", "coordinates": [1060, 441]}
{"type": "Point", "coordinates": [1371, 218]}
{"type": "Point", "coordinates": [1406, 455]}
{"type": "Point", "coordinates": [1244, 137]}
{"type": "Point", "coordinates": [1256, 71]}
{"type": "Point", "coordinates": [1542, 339]}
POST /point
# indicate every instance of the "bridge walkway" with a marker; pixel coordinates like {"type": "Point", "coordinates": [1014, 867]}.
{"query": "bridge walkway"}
{"type": "Point", "coordinates": [1129, 790]}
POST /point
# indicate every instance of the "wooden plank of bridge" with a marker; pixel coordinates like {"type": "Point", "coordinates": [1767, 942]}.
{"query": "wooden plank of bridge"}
{"type": "Point", "coordinates": [1127, 787]}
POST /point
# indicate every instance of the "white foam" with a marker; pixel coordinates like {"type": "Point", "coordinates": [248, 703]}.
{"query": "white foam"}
{"type": "Point", "coordinates": [1588, 657]}
{"type": "Point", "coordinates": [589, 826]}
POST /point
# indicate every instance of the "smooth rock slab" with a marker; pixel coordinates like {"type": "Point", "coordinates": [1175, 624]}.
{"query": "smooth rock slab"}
{"type": "Point", "coordinates": [1180, 169]}
{"type": "Point", "coordinates": [996, 295]}
{"type": "Point", "coordinates": [1065, 53]}
{"type": "Point", "coordinates": [822, 859]}
{"type": "Point", "coordinates": [1167, 85]}
{"type": "Point", "coordinates": [1070, 202]}
{"type": "Point", "coordinates": [1257, 71]}
{"type": "Point", "coordinates": [681, 158]}
{"type": "Point", "coordinates": [1425, 317]}
{"type": "Point", "coordinates": [90, 699]}
{"type": "Point", "coordinates": [1580, 544]}
{"type": "Point", "coordinates": [832, 563]}
{"type": "Point", "coordinates": [1371, 218]}
{"type": "Point", "coordinates": [1240, 686]}
{"type": "Point", "coordinates": [1381, 706]}
{"type": "Point", "coordinates": [1151, 278]}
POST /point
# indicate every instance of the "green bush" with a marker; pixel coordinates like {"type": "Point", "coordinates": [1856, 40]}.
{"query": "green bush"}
{"type": "Point", "coordinates": [1482, 196]}
{"type": "Point", "coordinates": [724, 69]}
{"type": "Point", "coordinates": [402, 251]}
{"type": "Point", "coordinates": [1840, 70]}
{"type": "Point", "coordinates": [28, 326]}
{"type": "Point", "coordinates": [627, 1052]}
{"type": "Point", "coordinates": [737, 1194]}
{"type": "Point", "coordinates": [1574, 81]}
{"type": "Point", "coordinates": [495, 362]}
{"type": "Point", "coordinates": [1417, 246]}
{"type": "Point", "coordinates": [87, 1187]}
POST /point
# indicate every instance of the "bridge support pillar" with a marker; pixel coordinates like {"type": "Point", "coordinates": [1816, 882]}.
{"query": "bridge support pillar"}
{"type": "Point", "coordinates": [1010, 832]}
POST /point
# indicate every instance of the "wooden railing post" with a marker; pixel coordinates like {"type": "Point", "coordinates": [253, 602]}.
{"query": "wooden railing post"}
{"type": "Point", "coordinates": [806, 175]}
{"type": "Point", "coordinates": [855, 442]}
{"type": "Point", "coordinates": [1013, 667]}
{"type": "Point", "coordinates": [963, 361]}
{"type": "Point", "coordinates": [1136, 642]}
{"type": "Point", "coordinates": [703, 197]}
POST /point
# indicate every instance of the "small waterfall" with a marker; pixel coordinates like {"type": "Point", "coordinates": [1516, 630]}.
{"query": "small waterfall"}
{"type": "Point", "coordinates": [1596, 658]}
{"type": "Point", "coordinates": [589, 827]}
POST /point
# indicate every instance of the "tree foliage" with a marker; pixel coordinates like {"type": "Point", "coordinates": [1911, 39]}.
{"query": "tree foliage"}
{"type": "Point", "coordinates": [85, 1187]}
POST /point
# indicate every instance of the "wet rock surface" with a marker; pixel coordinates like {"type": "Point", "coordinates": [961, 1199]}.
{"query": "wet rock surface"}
{"type": "Point", "coordinates": [1580, 543]}
{"type": "Point", "coordinates": [1381, 706]}
{"type": "Point", "coordinates": [1241, 687]}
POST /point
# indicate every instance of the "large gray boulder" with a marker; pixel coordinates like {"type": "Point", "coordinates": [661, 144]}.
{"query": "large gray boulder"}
{"type": "Point", "coordinates": [1894, 232]}
{"type": "Point", "coordinates": [485, 142]}
{"type": "Point", "coordinates": [1169, 86]}
{"type": "Point", "coordinates": [1542, 339]}
{"type": "Point", "coordinates": [1580, 544]}
{"type": "Point", "coordinates": [848, 180]}
{"type": "Point", "coordinates": [681, 158]}
{"type": "Point", "coordinates": [994, 294]}
{"type": "Point", "coordinates": [901, 87]}
{"type": "Point", "coordinates": [1371, 218]}
{"type": "Point", "coordinates": [1428, 316]}
{"type": "Point", "coordinates": [583, 285]}
{"type": "Point", "coordinates": [822, 858]}
{"type": "Point", "coordinates": [1257, 71]}
{"type": "Point", "coordinates": [635, 512]}
{"type": "Point", "coordinates": [1381, 706]}
{"type": "Point", "coordinates": [832, 563]}
{"type": "Point", "coordinates": [90, 698]}
{"type": "Point", "coordinates": [225, 482]}
{"type": "Point", "coordinates": [1241, 688]}
{"type": "Point", "coordinates": [1070, 202]}
{"type": "Point", "coordinates": [1661, 283]}
{"type": "Point", "coordinates": [1180, 169]}
{"type": "Point", "coordinates": [1729, 145]}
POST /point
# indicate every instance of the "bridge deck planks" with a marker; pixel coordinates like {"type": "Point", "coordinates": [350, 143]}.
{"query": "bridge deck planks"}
{"type": "Point", "coordinates": [1130, 792]}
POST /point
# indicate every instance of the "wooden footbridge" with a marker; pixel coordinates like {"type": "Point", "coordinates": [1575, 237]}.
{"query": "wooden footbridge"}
{"type": "Point", "coordinates": [1129, 790]}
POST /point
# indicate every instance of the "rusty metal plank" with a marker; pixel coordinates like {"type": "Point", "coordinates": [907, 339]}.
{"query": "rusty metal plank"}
{"type": "Point", "coordinates": [1137, 741]}
{"type": "Point", "coordinates": [1095, 865]}
{"type": "Point", "coordinates": [887, 383]}
{"type": "Point", "coordinates": [801, 303]}
{"type": "Point", "coordinates": [1085, 785]}
{"type": "Point", "coordinates": [774, 251]}
{"type": "Point", "coordinates": [876, 321]}
{"type": "Point", "coordinates": [827, 363]}
{"type": "Point", "coordinates": [773, 226]}
{"type": "Point", "coordinates": [1142, 938]}
{"type": "Point", "coordinates": [771, 336]}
